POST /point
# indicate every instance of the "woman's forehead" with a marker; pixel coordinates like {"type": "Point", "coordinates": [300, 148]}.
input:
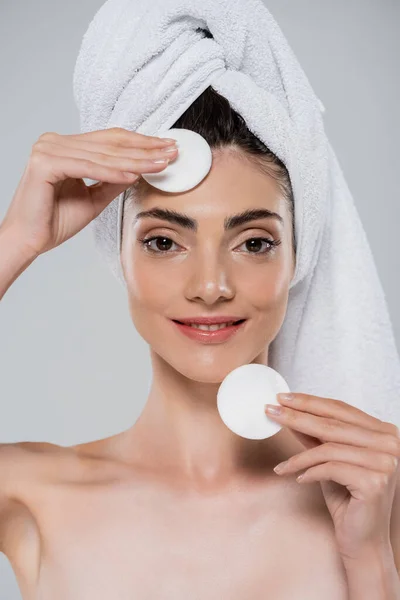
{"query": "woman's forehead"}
{"type": "Point", "coordinates": [226, 187]}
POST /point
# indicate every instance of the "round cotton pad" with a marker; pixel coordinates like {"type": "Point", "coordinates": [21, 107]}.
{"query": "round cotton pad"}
{"type": "Point", "coordinates": [242, 396]}
{"type": "Point", "coordinates": [191, 165]}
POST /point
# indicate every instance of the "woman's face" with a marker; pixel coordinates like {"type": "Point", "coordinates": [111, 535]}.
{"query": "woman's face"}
{"type": "Point", "coordinates": [208, 269]}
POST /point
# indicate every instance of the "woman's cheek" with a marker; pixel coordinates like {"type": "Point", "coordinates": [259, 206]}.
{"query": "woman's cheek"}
{"type": "Point", "coordinates": [268, 287]}
{"type": "Point", "coordinates": [151, 284]}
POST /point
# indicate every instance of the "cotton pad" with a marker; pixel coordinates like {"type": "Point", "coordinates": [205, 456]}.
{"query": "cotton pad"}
{"type": "Point", "coordinates": [242, 396]}
{"type": "Point", "coordinates": [191, 165]}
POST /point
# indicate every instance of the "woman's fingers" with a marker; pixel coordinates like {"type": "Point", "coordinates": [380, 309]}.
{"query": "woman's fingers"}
{"type": "Point", "coordinates": [135, 160]}
{"type": "Point", "coordinates": [363, 457]}
{"type": "Point", "coordinates": [104, 170]}
{"type": "Point", "coordinates": [116, 136]}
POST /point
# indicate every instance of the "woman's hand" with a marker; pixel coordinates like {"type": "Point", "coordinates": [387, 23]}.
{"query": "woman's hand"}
{"type": "Point", "coordinates": [52, 202]}
{"type": "Point", "coordinates": [354, 457]}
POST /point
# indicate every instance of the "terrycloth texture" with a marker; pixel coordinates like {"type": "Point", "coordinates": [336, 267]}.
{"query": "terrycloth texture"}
{"type": "Point", "coordinates": [142, 64]}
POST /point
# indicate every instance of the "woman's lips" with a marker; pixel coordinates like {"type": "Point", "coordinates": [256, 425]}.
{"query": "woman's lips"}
{"type": "Point", "coordinates": [209, 337]}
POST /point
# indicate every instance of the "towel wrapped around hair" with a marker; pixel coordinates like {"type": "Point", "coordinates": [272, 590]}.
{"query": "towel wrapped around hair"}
{"type": "Point", "coordinates": [142, 64]}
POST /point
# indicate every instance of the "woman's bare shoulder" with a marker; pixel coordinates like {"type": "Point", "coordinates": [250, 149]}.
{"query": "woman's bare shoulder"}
{"type": "Point", "coordinates": [25, 466]}
{"type": "Point", "coordinates": [18, 468]}
{"type": "Point", "coordinates": [23, 463]}
{"type": "Point", "coordinates": [14, 456]}
{"type": "Point", "coordinates": [21, 453]}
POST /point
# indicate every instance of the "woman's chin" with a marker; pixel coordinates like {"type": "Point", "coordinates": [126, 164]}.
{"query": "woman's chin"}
{"type": "Point", "coordinates": [212, 373]}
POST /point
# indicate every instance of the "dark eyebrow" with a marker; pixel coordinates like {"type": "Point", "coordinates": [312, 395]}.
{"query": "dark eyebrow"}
{"type": "Point", "coordinates": [187, 222]}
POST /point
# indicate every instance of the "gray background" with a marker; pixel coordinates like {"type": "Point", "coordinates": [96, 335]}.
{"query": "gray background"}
{"type": "Point", "coordinates": [73, 368]}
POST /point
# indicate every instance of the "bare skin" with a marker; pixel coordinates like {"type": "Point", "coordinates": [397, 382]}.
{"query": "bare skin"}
{"type": "Point", "coordinates": [177, 505]}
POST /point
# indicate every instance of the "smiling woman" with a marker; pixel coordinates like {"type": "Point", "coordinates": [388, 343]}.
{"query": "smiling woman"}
{"type": "Point", "coordinates": [263, 262]}
{"type": "Point", "coordinates": [229, 241]}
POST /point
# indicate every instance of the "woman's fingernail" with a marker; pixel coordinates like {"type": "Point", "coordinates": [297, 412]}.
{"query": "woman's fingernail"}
{"type": "Point", "coordinates": [279, 467]}
{"type": "Point", "coordinates": [288, 397]}
{"type": "Point", "coordinates": [272, 409]}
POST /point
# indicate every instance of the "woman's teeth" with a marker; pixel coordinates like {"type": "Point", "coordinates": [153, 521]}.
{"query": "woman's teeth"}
{"type": "Point", "coordinates": [211, 327]}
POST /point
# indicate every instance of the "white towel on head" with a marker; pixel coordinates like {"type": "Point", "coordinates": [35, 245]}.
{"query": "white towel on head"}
{"type": "Point", "coordinates": [141, 65]}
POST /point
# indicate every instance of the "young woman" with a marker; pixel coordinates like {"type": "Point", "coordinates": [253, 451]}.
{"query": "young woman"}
{"type": "Point", "coordinates": [178, 506]}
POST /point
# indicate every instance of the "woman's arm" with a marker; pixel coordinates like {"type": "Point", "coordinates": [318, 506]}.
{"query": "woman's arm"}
{"type": "Point", "coordinates": [377, 576]}
{"type": "Point", "coordinates": [374, 576]}
{"type": "Point", "coordinates": [15, 257]}
{"type": "Point", "coordinates": [11, 458]}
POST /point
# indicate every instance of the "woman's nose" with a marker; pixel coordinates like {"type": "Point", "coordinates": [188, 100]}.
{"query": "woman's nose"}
{"type": "Point", "coordinates": [209, 280]}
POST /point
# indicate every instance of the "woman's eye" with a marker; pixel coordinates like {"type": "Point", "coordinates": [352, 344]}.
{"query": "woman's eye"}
{"type": "Point", "coordinates": [254, 245]}
{"type": "Point", "coordinates": [163, 244]}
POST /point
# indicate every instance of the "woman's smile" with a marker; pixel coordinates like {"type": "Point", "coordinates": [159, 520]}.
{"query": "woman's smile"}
{"type": "Point", "coordinates": [210, 334]}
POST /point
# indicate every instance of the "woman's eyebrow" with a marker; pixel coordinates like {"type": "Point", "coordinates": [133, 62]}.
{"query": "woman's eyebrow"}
{"type": "Point", "coordinates": [187, 222]}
